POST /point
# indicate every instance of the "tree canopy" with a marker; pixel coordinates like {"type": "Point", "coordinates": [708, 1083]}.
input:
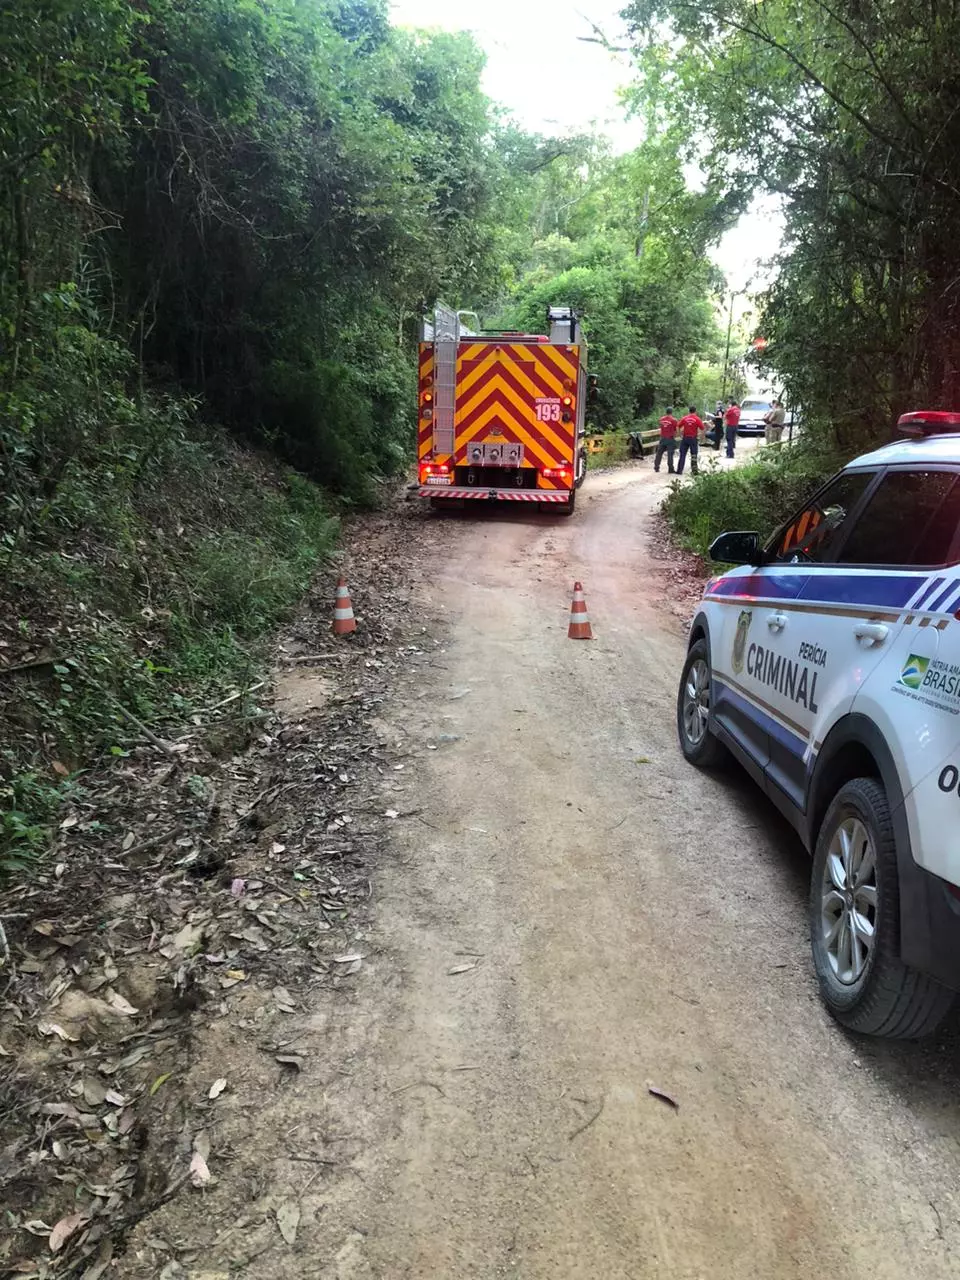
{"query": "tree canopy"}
{"type": "Point", "coordinates": [847, 113]}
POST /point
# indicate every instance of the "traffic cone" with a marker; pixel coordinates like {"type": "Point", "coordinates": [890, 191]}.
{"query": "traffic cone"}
{"type": "Point", "coordinates": [579, 628]}
{"type": "Point", "coordinates": [343, 620]}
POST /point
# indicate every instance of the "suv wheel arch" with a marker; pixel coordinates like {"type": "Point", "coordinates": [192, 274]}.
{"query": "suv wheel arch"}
{"type": "Point", "coordinates": [699, 630]}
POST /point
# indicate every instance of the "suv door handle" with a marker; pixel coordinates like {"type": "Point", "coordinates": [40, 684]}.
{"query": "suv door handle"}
{"type": "Point", "coordinates": [875, 632]}
{"type": "Point", "coordinates": [776, 621]}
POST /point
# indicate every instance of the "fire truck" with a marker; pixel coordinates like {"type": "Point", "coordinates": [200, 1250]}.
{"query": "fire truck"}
{"type": "Point", "coordinates": [502, 414]}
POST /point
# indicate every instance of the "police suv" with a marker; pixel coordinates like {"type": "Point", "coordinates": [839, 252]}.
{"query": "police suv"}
{"type": "Point", "coordinates": [828, 664]}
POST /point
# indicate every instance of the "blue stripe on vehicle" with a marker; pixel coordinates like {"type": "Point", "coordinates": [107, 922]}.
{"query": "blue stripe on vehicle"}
{"type": "Point", "coordinates": [930, 586]}
{"type": "Point", "coordinates": [888, 589]}
{"type": "Point", "coordinates": [869, 590]}
{"type": "Point", "coordinates": [942, 598]}
{"type": "Point", "coordinates": [795, 745]}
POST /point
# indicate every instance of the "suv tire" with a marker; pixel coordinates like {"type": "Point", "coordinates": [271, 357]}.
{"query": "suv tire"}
{"type": "Point", "coordinates": [855, 922]}
{"type": "Point", "coordinates": [697, 742]}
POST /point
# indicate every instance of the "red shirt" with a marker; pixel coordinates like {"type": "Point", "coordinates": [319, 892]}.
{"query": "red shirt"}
{"type": "Point", "coordinates": [690, 425]}
{"type": "Point", "coordinates": [668, 427]}
{"type": "Point", "coordinates": [732, 416]}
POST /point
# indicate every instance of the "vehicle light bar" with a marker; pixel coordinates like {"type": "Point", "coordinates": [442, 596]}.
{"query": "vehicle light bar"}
{"type": "Point", "coordinates": [928, 422]}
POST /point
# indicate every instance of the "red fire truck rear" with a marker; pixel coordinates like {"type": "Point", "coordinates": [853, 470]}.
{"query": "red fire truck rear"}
{"type": "Point", "coordinates": [502, 414]}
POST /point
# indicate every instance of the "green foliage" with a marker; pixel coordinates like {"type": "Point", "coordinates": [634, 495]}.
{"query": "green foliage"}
{"type": "Point", "coordinates": [847, 113]}
{"type": "Point", "coordinates": [758, 495]}
{"type": "Point", "coordinates": [27, 804]}
{"type": "Point", "coordinates": [255, 196]}
{"type": "Point", "coordinates": [627, 248]}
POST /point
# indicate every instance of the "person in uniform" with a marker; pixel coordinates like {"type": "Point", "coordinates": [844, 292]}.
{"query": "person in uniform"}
{"type": "Point", "coordinates": [668, 440]}
{"type": "Point", "coordinates": [731, 420]}
{"type": "Point", "coordinates": [691, 428]}
{"type": "Point", "coordinates": [773, 421]}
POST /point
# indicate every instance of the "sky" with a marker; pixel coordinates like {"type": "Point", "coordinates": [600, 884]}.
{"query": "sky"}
{"type": "Point", "coordinates": [542, 70]}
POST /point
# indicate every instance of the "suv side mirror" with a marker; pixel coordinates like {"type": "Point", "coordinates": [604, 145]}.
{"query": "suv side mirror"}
{"type": "Point", "coordinates": [737, 547]}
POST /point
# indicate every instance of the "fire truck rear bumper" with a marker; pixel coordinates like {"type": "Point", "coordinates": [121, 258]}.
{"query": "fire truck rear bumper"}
{"type": "Point", "coordinates": [561, 497]}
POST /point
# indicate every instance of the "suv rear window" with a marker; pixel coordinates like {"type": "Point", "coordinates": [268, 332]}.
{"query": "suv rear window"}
{"type": "Point", "coordinates": [911, 519]}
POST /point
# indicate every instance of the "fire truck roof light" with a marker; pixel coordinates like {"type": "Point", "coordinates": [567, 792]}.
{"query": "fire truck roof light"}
{"type": "Point", "coordinates": [928, 422]}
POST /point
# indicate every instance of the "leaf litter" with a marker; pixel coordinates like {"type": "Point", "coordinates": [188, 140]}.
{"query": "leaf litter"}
{"type": "Point", "coordinates": [223, 885]}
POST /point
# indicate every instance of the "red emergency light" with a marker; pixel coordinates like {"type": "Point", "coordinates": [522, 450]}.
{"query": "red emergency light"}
{"type": "Point", "coordinates": [928, 422]}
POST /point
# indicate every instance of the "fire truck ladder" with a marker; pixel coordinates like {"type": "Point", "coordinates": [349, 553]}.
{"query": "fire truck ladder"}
{"type": "Point", "coordinates": [446, 337]}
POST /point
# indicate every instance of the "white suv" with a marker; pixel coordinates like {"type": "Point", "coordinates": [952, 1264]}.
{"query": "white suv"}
{"type": "Point", "coordinates": [829, 666]}
{"type": "Point", "coordinates": [753, 409]}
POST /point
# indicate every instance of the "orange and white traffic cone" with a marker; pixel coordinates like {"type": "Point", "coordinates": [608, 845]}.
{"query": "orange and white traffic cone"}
{"type": "Point", "coordinates": [579, 628]}
{"type": "Point", "coordinates": [343, 620]}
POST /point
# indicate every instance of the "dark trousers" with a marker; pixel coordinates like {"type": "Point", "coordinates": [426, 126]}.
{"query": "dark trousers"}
{"type": "Point", "coordinates": [689, 444]}
{"type": "Point", "coordinates": [665, 445]}
{"type": "Point", "coordinates": [716, 433]}
{"type": "Point", "coordinates": [731, 441]}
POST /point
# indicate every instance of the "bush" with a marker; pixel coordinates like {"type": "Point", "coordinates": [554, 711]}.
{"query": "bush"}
{"type": "Point", "coordinates": [759, 495]}
{"type": "Point", "coordinates": [613, 450]}
{"type": "Point", "coordinates": [143, 558]}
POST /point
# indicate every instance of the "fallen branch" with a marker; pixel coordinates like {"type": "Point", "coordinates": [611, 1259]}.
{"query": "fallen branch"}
{"type": "Point", "coordinates": [35, 665]}
{"type": "Point", "coordinates": [145, 845]}
{"type": "Point", "coordinates": [237, 693]}
{"type": "Point", "coordinates": [320, 657]}
{"type": "Point", "coordinates": [162, 743]}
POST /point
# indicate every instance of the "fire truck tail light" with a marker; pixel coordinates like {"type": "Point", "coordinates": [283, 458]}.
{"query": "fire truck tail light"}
{"type": "Point", "coordinates": [558, 473]}
{"type": "Point", "coordinates": [567, 401]}
{"type": "Point", "coordinates": [428, 397]}
{"type": "Point", "coordinates": [428, 413]}
{"type": "Point", "coordinates": [434, 469]}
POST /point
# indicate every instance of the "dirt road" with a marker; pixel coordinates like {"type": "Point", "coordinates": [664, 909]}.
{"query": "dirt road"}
{"type": "Point", "coordinates": [633, 923]}
{"type": "Point", "coordinates": [569, 915]}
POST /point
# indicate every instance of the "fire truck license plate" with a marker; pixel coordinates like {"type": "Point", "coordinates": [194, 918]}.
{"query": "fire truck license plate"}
{"type": "Point", "coordinates": [548, 410]}
{"type": "Point", "coordinates": [439, 480]}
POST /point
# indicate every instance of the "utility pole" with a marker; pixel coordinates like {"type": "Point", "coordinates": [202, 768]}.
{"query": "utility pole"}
{"type": "Point", "coordinates": [726, 354]}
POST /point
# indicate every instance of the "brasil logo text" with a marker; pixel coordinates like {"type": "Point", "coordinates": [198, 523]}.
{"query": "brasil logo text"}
{"type": "Point", "coordinates": [914, 669]}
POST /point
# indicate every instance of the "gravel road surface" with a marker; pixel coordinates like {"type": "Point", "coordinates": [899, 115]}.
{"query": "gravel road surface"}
{"type": "Point", "coordinates": [629, 923]}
